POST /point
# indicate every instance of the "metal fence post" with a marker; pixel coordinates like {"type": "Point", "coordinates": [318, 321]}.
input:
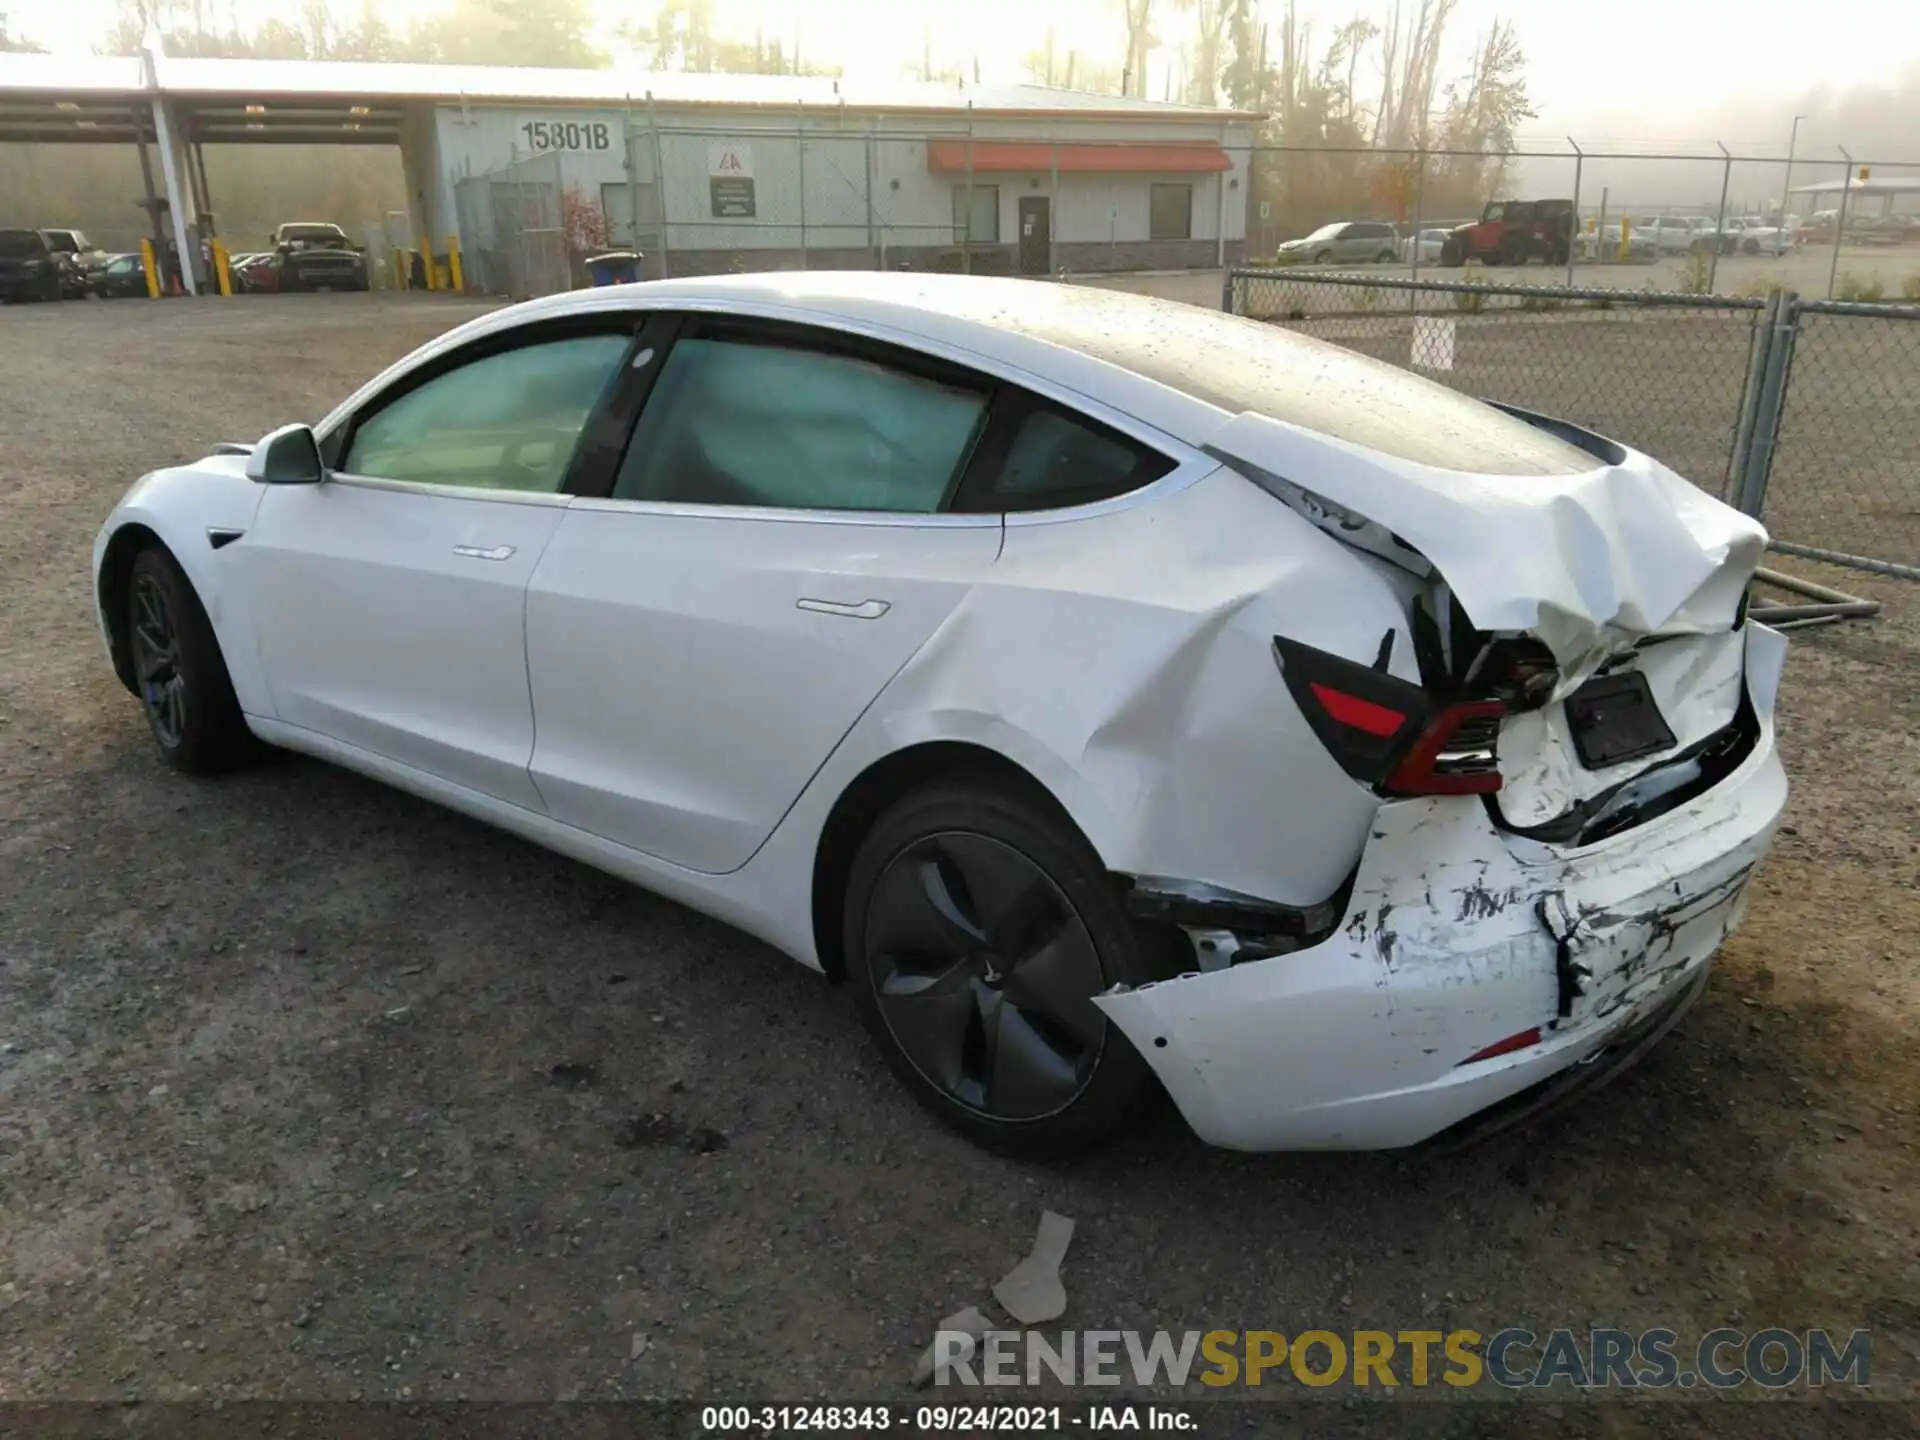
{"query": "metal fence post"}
{"type": "Point", "coordinates": [966, 232]}
{"type": "Point", "coordinates": [1573, 230]}
{"type": "Point", "coordinates": [1720, 224]}
{"type": "Point", "coordinates": [659, 184]}
{"type": "Point", "coordinates": [1769, 403]}
{"type": "Point", "coordinates": [1840, 221]}
{"type": "Point", "coordinates": [1226, 293]}
{"type": "Point", "coordinates": [1419, 205]}
{"type": "Point", "coordinates": [1734, 485]}
{"type": "Point", "coordinates": [800, 140]}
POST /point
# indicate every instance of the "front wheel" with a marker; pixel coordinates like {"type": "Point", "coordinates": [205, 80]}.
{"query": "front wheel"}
{"type": "Point", "coordinates": [181, 676]}
{"type": "Point", "coordinates": [1325, 257]}
{"type": "Point", "coordinates": [978, 927]}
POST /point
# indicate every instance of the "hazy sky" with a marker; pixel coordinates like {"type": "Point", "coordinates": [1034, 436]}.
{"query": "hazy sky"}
{"type": "Point", "coordinates": [1645, 64]}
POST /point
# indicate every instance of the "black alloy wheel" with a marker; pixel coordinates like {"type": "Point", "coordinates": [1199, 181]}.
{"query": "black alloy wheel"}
{"type": "Point", "coordinates": [979, 926]}
{"type": "Point", "coordinates": [156, 661]}
{"type": "Point", "coordinates": [985, 975]}
{"type": "Point", "coordinates": [178, 672]}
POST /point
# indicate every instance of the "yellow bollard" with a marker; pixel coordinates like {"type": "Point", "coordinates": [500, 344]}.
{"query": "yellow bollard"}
{"type": "Point", "coordinates": [399, 278]}
{"type": "Point", "coordinates": [152, 269]}
{"type": "Point", "coordinates": [426, 256]}
{"type": "Point", "coordinates": [1626, 234]}
{"type": "Point", "coordinates": [221, 266]}
{"type": "Point", "coordinates": [459, 285]}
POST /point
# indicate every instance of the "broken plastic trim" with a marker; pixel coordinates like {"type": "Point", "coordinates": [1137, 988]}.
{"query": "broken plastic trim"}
{"type": "Point", "coordinates": [1264, 927]}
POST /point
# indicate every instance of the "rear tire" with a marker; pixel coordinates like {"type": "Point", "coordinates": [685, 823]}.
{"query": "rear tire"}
{"type": "Point", "coordinates": [978, 926]}
{"type": "Point", "coordinates": [181, 676]}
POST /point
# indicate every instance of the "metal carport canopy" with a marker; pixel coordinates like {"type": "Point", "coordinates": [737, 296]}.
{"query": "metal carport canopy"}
{"type": "Point", "coordinates": [1909, 186]}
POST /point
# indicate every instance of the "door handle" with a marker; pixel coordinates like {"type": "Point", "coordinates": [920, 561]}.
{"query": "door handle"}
{"type": "Point", "coordinates": [851, 610]}
{"type": "Point", "coordinates": [477, 552]}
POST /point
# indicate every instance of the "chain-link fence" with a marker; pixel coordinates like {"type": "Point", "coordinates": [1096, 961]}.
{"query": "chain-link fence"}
{"type": "Point", "coordinates": [1663, 373]}
{"type": "Point", "coordinates": [1731, 220]}
{"type": "Point", "coordinates": [513, 228]}
{"type": "Point", "coordinates": [1844, 482]}
{"type": "Point", "coordinates": [1806, 414]}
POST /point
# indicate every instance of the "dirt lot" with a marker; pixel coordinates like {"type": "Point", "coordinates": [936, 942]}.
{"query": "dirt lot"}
{"type": "Point", "coordinates": [280, 1115]}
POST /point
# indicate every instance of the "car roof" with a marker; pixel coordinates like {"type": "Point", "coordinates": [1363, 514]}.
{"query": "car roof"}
{"type": "Point", "coordinates": [1178, 367]}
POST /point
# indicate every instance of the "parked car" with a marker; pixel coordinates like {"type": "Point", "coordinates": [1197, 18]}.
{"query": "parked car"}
{"type": "Point", "coordinates": [1670, 234]}
{"type": "Point", "coordinates": [1752, 235]}
{"type": "Point", "coordinates": [84, 260]}
{"type": "Point", "coordinates": [254, 274]}
{"type": "Point", "coordinates": [31, 269]}
{"type": "Point", "coordinates": [122, 277]}
{"type": "Point", "coordinates": [1603, 243]}
{"type": "Point", "coordinates": [1344, 242]}
{"type": "Point", "coordinates": [1058, 666]}
{"type": "Point", "coordinates": [1511, 232]}
{"type": "Point", "coordinates": [316, 256]}
{"type": "Point", "coordinates": [1430, 242]}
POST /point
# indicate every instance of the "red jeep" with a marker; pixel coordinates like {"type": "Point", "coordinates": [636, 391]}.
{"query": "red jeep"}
{"type": "Point", "coordinates": [1513, 231]}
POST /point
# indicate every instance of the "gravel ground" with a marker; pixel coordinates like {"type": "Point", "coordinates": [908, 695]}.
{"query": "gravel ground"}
{"type": "Point", "coordinates": [310, 1090]}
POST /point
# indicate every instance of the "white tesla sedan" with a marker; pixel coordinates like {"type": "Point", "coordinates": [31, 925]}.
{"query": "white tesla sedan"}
{"type": "Point", "coordinates": [1108, 690]}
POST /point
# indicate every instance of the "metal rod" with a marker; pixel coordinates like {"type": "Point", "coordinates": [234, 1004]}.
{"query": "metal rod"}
{"type": "Point", "coordinates": [1840, 223]}
{"type": "Point", "coordinates": [1840, 557]}
{"type": "Point", "coordinates": [800, 140]}
{"type": "Point", "coordinates": [1770, 614]}
{"type": "Point", "coordinates": [1809, 588]}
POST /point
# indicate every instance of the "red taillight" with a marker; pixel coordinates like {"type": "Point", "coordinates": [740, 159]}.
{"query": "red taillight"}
{"type": "Point", "coordinates": [1457, 754]}
{"type": "Point", "coordinates": [1505, 1047]}
{"type": "Point", "coordinates": [1390, 733]}
{"type": "Point", "coordinates": [1361, 714]}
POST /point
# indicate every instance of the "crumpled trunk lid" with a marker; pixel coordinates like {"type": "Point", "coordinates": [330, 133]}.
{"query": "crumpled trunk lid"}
{"type": "Point", "coordinates": [1590, 562]}
{"type": "Point", "coordinates": [1630, 577]}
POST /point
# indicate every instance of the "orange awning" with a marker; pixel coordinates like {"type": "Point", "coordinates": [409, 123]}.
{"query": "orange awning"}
{"type": "Point", "coordinates": [1176, 157]}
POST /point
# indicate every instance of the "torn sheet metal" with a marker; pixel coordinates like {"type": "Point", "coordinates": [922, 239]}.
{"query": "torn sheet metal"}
{"type": "Point", "coordinates": [1695, 682]}
{"type": "Point", "coordinates": [1031, 1292]}
{"type": "Point", "coordinates": [1457, 936]}
{"type": "Point", "coordinates": [1589, 560]}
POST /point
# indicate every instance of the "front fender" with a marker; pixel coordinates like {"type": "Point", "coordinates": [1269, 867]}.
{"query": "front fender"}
{"type": "Point", "coordinates": [186, 509]}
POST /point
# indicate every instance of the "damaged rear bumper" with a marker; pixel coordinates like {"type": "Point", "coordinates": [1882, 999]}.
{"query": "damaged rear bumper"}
{"type": "Point", "coordinates": [1458, 936]}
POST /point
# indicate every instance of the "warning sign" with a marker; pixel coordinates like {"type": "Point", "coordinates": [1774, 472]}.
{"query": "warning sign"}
{"type": "Point", "coordinates": [730, 180]}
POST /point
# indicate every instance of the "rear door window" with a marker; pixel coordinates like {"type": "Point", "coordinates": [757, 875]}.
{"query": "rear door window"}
{"type": "Point", "coordinates": [739, 418]}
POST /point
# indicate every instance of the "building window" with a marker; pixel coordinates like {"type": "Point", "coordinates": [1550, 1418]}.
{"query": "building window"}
{"type": "Point", "coordinates": [985, 226]}
{"type": "Point", "coordinates": [1170, 212]}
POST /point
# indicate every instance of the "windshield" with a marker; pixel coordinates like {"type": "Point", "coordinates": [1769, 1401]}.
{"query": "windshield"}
{"type": "Point", "coordinates": [1327, 232]}
{"type": "Point", "coordinates": [18, 244]}
{"type": "Point", "coordinates": [311, 234]}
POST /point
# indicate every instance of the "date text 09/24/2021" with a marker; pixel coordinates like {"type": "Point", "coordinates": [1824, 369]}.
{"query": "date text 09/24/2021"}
{"type": "Point", "coordinates": [946, 1419]}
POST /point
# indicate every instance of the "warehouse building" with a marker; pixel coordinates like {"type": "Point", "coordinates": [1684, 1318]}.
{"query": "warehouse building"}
{"type": "Point", "coordinates": [703, 173]}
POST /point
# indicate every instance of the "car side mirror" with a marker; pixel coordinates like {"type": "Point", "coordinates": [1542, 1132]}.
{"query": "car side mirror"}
{"type": "Point", "coordinates": [287, 456]}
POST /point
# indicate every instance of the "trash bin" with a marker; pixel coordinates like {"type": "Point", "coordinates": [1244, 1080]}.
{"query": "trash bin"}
{"type": "Point", "coordinates": [616, 267]}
